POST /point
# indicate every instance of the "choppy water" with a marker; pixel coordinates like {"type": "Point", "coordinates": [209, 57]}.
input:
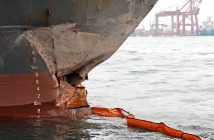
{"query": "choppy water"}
{"type": "Point", "coordinates": [167, 80]}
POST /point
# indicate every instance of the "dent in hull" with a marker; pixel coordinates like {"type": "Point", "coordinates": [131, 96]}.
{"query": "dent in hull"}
{"type": "Point", "coordinates": [69, 42]}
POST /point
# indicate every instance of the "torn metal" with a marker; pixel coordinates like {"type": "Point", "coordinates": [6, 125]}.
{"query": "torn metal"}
{"type": "Point", "coordinates": [71, 97]}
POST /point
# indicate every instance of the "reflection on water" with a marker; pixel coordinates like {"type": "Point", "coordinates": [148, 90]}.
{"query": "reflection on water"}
{"type": "Point", "coordinates": [167, 80]}
{"type": "Point", "coordinates": [51, 129]}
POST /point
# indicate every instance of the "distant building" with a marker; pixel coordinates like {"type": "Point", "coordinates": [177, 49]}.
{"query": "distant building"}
{"type": "Point", "coordinates": [207, 28]}
{"type": "Point", "coordinates": [138, 32]}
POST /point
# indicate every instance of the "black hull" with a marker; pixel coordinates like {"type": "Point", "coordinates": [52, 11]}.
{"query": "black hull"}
{"type": "Point", "coordinates": [58, 40]}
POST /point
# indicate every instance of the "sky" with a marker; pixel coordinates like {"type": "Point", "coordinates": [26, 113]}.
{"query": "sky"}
{"type": "Point", "coordinates": [207, 9]}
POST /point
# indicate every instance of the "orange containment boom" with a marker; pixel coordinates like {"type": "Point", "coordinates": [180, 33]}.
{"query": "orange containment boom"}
{"type": "Point", "coordinates": [146, 125]}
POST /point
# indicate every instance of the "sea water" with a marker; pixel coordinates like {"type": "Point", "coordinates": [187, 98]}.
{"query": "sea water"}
{"type": "Point", "coordinates": [159, 79]}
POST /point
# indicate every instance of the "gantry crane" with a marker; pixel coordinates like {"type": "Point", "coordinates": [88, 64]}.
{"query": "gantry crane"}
{"type": "Point", "coordinates": [186, 16]}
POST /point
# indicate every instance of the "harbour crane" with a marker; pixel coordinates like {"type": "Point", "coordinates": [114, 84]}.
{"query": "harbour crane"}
{"type": "Point", "coordinates": [186, 16]}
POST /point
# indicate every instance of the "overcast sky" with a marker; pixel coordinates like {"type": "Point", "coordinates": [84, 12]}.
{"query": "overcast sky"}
{"type": "Point", "coordinates": [207, 9]}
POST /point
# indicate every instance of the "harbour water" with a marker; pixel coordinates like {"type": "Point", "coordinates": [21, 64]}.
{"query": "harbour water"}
{"type": "Point", "coordinates": [160, 79]}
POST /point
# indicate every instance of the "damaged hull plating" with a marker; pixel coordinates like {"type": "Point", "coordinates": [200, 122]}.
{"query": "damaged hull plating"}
{"type": "Point", "coordinates": [47, 48]}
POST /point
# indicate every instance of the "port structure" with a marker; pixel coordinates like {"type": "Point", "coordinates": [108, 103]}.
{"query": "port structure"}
{"type": "Point", "coordinates": [182, 18]}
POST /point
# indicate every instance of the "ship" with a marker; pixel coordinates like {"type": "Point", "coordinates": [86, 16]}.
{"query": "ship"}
{"type": "Point", "coordinates": [207, 28]}
{"type": "Point", "coordinates": [48, 47]}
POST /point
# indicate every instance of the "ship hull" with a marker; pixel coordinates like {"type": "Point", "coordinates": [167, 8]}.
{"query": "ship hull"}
{"type": "Point", "coordinates": [44, 44]}
{"type": "Point", "coordinates": [206, 32]}
{"type": "Point", "coordinates": [17, 89]}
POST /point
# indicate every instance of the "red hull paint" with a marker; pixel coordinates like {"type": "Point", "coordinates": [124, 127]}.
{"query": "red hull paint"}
{"type": "Point", "coordinates": [48, 109]}
{"type": "Point", "coordinates": [18, 93]}
{"type": "Point", "coordinates": [21, 89]}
